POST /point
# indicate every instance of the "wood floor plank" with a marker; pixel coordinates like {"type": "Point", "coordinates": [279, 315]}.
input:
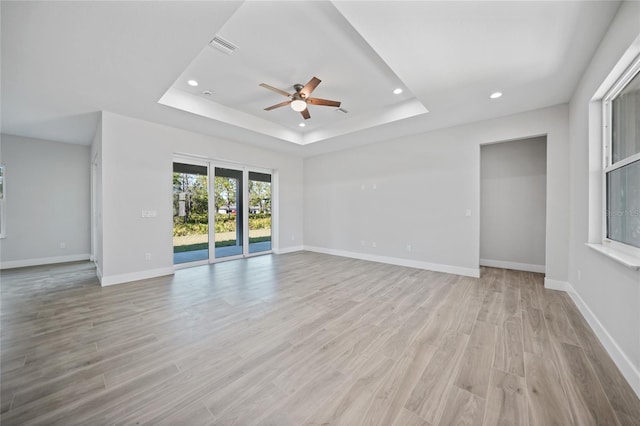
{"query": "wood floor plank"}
{"type": "Point", "coordinates": [301, 337]}
{"type": "Point", "coordinates": [491, 308]}
{"type": "Point", "coordinates": [49, 403]}
{"type": "Point", "coordinates": [463, 408]}
{"type": "Point", "coordinates": [388, 401]}
{"type": "Point", "coordinates": [622, 398]}
{"type": "Point", "coordinates": [252, 407]}
{"type": "Point", "coordinates": [408, 418]}
{"type": "Point", "coordinates": [296, 408]}
{"type": "Point", "coordinates": [428, 396]}
{"type": "Point", "coordinates": [535, 336]}
{"type": "Point", "coordinates": [348, 405]}
{"type": "Point", "coordinates": [475, 366]}
{"type": "Point", "coordinates": [509, 355]}
{"type": "Point", "coordinates": [588, 402]}
{"type": "Point", "coordinates": [506, 401]}
{"type": "Point", "coordinates": [547, 401]}
{"type": "Point", "coordinates": [194, 414]}
{"type": "Point", "coordinates": [557, 322]}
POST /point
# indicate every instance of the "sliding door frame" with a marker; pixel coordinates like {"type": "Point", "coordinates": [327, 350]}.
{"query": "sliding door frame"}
{"type": "Point", "coordinates": [196, 161]}
{"type": "Point", "coordinates": [245, 169]}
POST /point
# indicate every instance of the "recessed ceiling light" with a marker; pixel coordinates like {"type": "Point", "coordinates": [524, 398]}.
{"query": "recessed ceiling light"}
{"type": "Point", "coordinates": [302, 125]}
{"type": "Point", "coordinates": [397, 91]}
{"type": "Point", "coordinates": [495, 95]}
{"type": "Point", "coordinates": [192, 83]}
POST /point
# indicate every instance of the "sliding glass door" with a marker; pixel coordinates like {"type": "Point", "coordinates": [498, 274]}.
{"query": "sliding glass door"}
{"type": "Point", "coordinates": [229, 206]}
{"type": "Point", "coordinates": [190, 213]}
{"type": "Point", "coordinates": [221, 211]}
{"type": "Point", "coordinates": [259, 212]}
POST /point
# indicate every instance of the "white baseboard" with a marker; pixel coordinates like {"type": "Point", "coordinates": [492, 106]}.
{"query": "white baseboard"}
{"type": "Point", "coordinates": [288, 250]}
{"type": "Point", "coordinates": [556, 284]}
{"type": "Point", "coordinates": [449, 269]}
{"type": "Point", "coordinates": [135, 276]}
{"type": "Point", "coordinates": [43, 261]}
{"type": "Point", "coordinates": [513, 265]}
{"type": "Point", "coordinates": [99, 273]}
{"type": "Point", "coordinates": [622, 361]}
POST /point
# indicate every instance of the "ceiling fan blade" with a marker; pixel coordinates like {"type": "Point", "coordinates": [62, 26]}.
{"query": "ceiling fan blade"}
{"type": "Point", "coordinates": [305, 113]}
{"type": "Point", "coordinates": [281, 104]}
{"type": "Point", "coordinates": [325, 102]}
{"type": "Point", "coordinates": [275, 89]}
{"type": "Point", "coordinates": [310, 87]}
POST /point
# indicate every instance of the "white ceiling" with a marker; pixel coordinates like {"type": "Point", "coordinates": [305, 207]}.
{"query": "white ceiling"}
{"type": "Point", "coordinates": [62, 62]}
{"type": "Point", "coordinates": [315, 41]}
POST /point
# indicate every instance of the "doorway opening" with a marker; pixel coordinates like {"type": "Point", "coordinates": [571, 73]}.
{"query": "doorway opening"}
{"type": "Point", "coordinates": [513, 204]}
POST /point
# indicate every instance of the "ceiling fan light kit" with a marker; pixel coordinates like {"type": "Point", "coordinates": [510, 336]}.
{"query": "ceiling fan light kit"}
{"type": "Point", "coordinates": [298, 105]}
{"type": "Point", "coordinates": [300, 99]}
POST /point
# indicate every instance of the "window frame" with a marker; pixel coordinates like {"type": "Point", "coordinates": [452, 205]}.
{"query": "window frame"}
{"type": "Point", "coordinates": [3, 216]}
{"type": "Point", "coordinates": [607, 155]}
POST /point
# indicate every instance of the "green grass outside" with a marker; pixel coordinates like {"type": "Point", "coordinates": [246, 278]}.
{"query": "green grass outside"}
{"type": "Point", "coordinates": [205, 246]}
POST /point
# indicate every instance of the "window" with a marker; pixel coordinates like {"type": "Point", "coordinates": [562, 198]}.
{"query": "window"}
{"type": "Point", "coordinates": [2, 190]}
{"type": "Point", "coordinates": [621, 172]}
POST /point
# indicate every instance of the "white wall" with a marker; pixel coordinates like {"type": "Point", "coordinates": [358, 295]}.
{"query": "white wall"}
{"type": "Point", "coordinates": [137, 159]}
{"type": "Point", "coordinates": [96, 198]}
{"type": "Point", "coordinates": [607, 292]}
{"type": "Point", "coordinates": [513, 204]}
{"type": "Point", "coordinates": [424, 185]}
{"type": "Point", "coordinates": [47, 190]}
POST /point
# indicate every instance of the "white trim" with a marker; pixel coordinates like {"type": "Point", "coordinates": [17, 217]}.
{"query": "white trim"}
{"type": "Point", "coordinates": [555, 284]}
{"type": "Point", "coordinates": [622, 361]}
{"type": "Point", "coordinates": [3, 211]}
{"type": "Point", "coordinates": [613, 90]}
{"type": "Point", "coordinates": [99, 273]}
{"type": "Point", "coordinates": [624, 162]}
{"type": "Point", "coordinates": [226, 258]}
{"type": "Point", "coordinates": [288, 250]}
{"type": "Point", "coordinates": [275, 211]}
{"type": "Point", "coordinates": [135, 276]}
{"type": "Point", "coordinates": [449, 269]}
{"type": "Point", "coordinates": [246, 205]}
{"type": "Point", "coordinates": [43, 261]}
{"type": "Point", "coordinates": [627, 259]}
{"type": "Point", "coordinates": [513, 265]}
{"type": "Point", "coordinates": [258, 253]}
{"type": "Point", "coordinates": [185, 265]}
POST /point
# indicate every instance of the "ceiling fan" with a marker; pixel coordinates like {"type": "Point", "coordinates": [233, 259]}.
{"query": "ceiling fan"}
{"type": "Point", "coordinates": [300, 98]}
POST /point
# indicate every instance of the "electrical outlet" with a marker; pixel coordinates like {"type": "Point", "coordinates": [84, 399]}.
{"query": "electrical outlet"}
{"type": "Point", "coordinates": [63, 245]}
{"type": "Point", "coordinates": [408, 247]}
{"type": "Point", "coordinates": [374, 244]}
{"type": "Point", "coordinates": [147, 256]}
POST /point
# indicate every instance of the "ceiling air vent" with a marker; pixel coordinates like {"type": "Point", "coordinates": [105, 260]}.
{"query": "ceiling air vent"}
{"type": "Point", "coordinates": [223, 45]}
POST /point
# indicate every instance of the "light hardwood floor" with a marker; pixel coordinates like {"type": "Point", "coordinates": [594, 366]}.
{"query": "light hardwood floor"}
{"type": "Point", "coordinates": [301, 339]}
